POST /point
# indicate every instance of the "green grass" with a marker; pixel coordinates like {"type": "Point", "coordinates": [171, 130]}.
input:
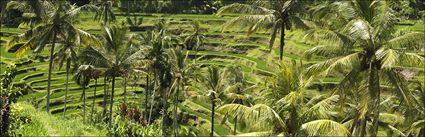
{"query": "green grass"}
{"type": "Point", "coordinates": [43, 124]}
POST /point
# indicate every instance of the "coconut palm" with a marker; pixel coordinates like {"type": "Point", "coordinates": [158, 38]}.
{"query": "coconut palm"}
{"type": "Point", "coordinates": [118, 52]}
{"type": "Point", "coordinates": [214, 82]}
{"type": "Point", "coordinates": [103, 10]}
{"type": "Point", "coordinates": [82, 78]}
{"type": "Point", "coordinates": [33, 11]}
{"type": "Point", "coordinates": [56, 27]}
{"type": "Point", "coordinates": [196, 39]}
{"type": "Point", "coordinates": [276, 15]}
{"type": "Point", "coordinates": [362, 43]}
{"type": "Point", "coordinates": [95, 74]}
{"type": "Point", "coordinates": [177, 60]}
{"type": "Point", "coordinates": [236, 91]}
{"type": "Point", "coordinates": [67, 55]}
{"type": "Point", "coordinates": [288, 110]}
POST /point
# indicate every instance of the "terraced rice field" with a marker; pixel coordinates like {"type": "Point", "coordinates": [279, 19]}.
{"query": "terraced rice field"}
{"type": "Point", "coordinates": [229, 47]}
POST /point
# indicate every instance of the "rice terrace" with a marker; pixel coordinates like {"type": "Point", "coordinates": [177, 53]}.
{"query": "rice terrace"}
{"type": "Point", "coordinates": [212, 68]}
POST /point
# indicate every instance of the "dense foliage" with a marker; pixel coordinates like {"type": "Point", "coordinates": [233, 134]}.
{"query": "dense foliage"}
{"type": "Point", "coordinates": [354, 69]}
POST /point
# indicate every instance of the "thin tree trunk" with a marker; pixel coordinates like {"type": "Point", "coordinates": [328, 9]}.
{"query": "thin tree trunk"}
{"type": "Point", "coordinates": [212, 117]}
{"type": "Point", "coordinates": [84, 100]}
{"type": "Point", "coordinates": [147, 95]}
{"type": "Point", "coordinates": [112, 102]}
{"type": "Point", "coordinates": [104, 96]}
{"type": "Point", "coordinates": [176, 126]}
{"type": "Point", "coordinates": [3, 6]}
{"type": "Point", "coordinates": [374, 89]}
{"type": "Point", "coordinates": [164, 111]}
{"type": "Point", "coordinates": [282, 41]}
{"type": "Point", "coordinates": [153, 97]}
{"type": "Point", "coordinates": [49, 75]}
{"type": "Point", "coordinates": [66, 85]}
{"type": "Point", "coordinates": [235, 123]}
{"type": "Point", "coordinates": [94, 100]}
{"type": "Point", "coordinates": [363, 126]}
{"type": "Point", "coordinates": [125, 90]}
{"type": "Point", "coordinates": [5, 118]}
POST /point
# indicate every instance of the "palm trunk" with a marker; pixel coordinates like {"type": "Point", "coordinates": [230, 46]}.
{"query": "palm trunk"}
{"type": "Point", "coordinates": [5, 118]}
{"type": "Point", "coordinates": [176, 95]}
{"type": "Point", "coordinates": [112, 102]}
{"type": "Point", "coordinates": [234, 124]}
{"type": "Point", "coordinates": [94, 100]}
{"type": "Point", "coordinates": [374, 89]}
{"type": "Point", "coordinates": [66, 85]}
{"type": "Point", "coordinates": [212, 117]}
{"type": "Point", "coordinates": [363, 126]}
{"type": "Point", "coordinates": [153, 97]}
{"type": "Point", "coordinates": [49, 75]}
{"type": "Point", "coordinates": [125, 90]}
{"type": "Point", "coordinates": [147, 95]}
{"type": "Point", "coordinates": [282, 41]}
{"type": "Point", "coordinates": [164, 111]}
{"type": "Point", "coordinates": [84, 100]}
{"type": "Point", "coordinates": [104, 96]}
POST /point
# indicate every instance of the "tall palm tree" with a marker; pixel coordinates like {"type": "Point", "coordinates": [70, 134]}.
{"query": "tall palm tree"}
{"type": "Point", "coordinates": [118, 52]}
{"type": "Point", "coordinates": [276, 15]}
{"type": "Point", "coordinates": [55, 28]}
{"type": "Point", "coordinates": [33, 11]}
{"type": "Point", "coordinates": [82, 78]}
{"type": "Point", "coordinates": [177, 60]}
{"type": "Point", "coordinates": [362, 41]}
{"type": "Point", "coordinates": [67, 55]}
{"type": "Point", "coordinates": [234, 92]}
{"type": "Point", "coordinates": [214, 82]}
{"type": "Point", "coordinates": [103, 10]}
{"type": "Point", "coordinates": [290, 110]}
{"type": "Point", "coordinates": [196, 39]}
{"type": "Point", "coordinates": [95, 74]}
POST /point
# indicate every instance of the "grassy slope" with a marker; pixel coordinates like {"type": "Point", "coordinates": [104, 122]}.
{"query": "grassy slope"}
{"type": "Point", "coordinates": [42, 124]}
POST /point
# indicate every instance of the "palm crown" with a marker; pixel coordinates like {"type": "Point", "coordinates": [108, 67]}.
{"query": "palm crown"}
{"type": "Point", "coordinates": [362, 41]}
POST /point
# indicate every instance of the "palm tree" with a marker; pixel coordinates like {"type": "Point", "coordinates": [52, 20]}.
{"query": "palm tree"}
{"type": "Point", "coordinates": [66, 54]}
{"type": "Point", "coordinates": [234, 92]}
{"type": "Point", "coordinates": [119, 51]}
{"type": "Point", "coordinates": [196, 39]}
{"type": "Point", "coordinates": [276, 15]}
{"type": "Point", "coordinates": [178, 68]}
{"type": "Point", "coordinates": [362, 41]}
{"type": "Point", "coordinates": [103, 10]}
{"type": "Point", "coordinates": [289, 109]}
{"type": "Point", "coordinates": [56, 27]}
{"type": "Point", "coordinates": [95, 74]}
{"type": "Point", "coordinates": [214, 82]}
{"type": "Point", "coordinates": [33, 11]}
{"type": "Point", "coordinates": [82, 78]}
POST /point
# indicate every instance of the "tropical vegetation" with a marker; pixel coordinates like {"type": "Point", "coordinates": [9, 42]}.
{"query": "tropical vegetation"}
{"type": "Point", "coordinates": [211, 68]}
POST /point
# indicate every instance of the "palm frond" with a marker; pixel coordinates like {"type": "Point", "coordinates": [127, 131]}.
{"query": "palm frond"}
{"type": "Point", "coordinates": [412, 40]}
{"type": "Point", "coordinates": [359, 29]}
{"type": "Point", "coordinates": [391, 119]}
{"type": "Point", "coordinates": [324, 128]}
{"type": "Point", "coordinates": [253, 22]}
{"type": "Point", "coordinates": [321, 110]}
{"type": "Point", "coordinates": [255, 115]}
{"type": "Point", "coordinates": [87, 39]}
{"type": "Point", "coordinates": [325, 67]}
{"type": "Point", "coordinates": [388, 57]}
{"type": "Point", "coordinates": [243, 8]}
{"type": "Point", "coordinates": [264, 133]}
{"type": "Point", "coordinates": [384, 21]}
{"type": "Point", "coordinates": [416, 128]}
